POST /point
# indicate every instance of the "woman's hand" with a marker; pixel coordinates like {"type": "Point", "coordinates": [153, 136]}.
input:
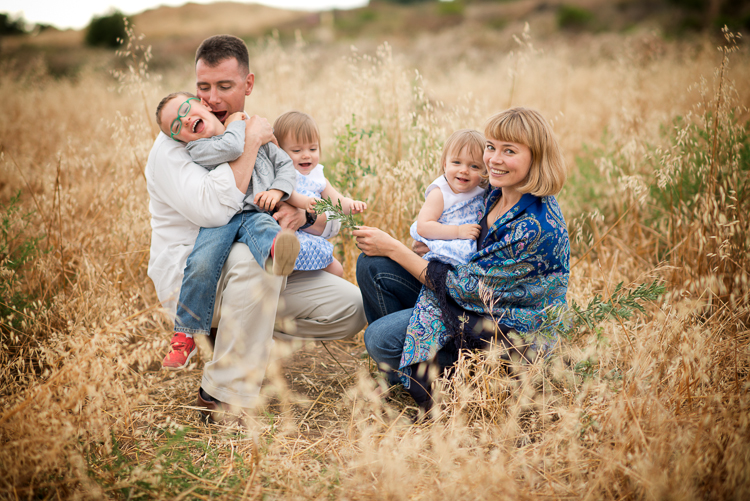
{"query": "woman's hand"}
{"type": "Point", "coordinates": [375, 242]}
{"type": "Point", "coordinates": [419, 248]}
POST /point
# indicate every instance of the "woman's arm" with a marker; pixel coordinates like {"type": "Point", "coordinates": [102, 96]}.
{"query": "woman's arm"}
{"type": "Point", "coordinates": [375, 242]}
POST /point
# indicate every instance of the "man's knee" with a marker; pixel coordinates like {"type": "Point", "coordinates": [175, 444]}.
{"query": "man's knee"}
{"type": "Point", "coordinates": [240, 259]}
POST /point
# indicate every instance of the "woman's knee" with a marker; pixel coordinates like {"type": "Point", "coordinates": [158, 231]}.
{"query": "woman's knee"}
{"type": "Point", "coordinates": [384, 338]}
{"type": "Point", "coordinates": [365, 269]}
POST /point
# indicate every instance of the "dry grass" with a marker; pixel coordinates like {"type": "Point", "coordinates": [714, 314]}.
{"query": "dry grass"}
{"type": "Point", "coordinates": [651, 407]}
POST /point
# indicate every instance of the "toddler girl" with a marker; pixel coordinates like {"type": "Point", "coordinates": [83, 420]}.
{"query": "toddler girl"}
{"type": "Point", "coordinates": [448, 220]}
{"type": "Point", "coordinates": [298, 135]}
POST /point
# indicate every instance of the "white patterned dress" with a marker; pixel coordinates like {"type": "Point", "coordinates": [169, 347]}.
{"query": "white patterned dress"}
{"type": "Point", "coordinates": [458, 208]}
{"type": "Point", "coordinates": [315, 253]}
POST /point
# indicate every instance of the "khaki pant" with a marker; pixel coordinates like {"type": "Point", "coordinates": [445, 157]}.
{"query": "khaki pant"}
{"type": "Point", "coordinates": [253, 306]}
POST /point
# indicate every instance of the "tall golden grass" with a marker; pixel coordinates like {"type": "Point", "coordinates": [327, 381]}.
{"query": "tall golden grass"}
{"type": "Point", "coordinates": [651, 406]}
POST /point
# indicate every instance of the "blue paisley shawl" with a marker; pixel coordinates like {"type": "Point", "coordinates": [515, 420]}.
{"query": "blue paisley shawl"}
{"type": "Point", "coordinates": [523, 262]}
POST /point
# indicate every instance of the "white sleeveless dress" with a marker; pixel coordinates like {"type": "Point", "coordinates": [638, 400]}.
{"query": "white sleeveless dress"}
{"type": "Point", "coordinates": [458, 208]}
{"type": "Point", "coordinates": [315, 252]}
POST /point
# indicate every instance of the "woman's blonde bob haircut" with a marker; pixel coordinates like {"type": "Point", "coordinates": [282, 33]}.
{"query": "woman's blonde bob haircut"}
{"type": "Point", "coordinates": [526, 126]}
{"type": "Point", "coordinates": [471, 140]}
{"type": "Point", "coordinates": [296, 126]}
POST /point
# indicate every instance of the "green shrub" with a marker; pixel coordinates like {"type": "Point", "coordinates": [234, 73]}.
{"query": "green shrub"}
{"type": "Point", "coordinates": [570, 17]}
{"type": "Point", "coordinates": [454, 8]}
{"type": "Point", "coordinates": [10, 26]}
{"type": "Point", "coordinates": [106, 31]}
{"type": "Point", "coordinates": [16, 249]}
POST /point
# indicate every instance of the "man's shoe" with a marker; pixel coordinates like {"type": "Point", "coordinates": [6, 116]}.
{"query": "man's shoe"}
{"type": "Point", "coordinates": [183, 349]}
{"type": "Point", "coordinates": [284, 252]}
{"type": "Point", "coordinates": [217, 412]}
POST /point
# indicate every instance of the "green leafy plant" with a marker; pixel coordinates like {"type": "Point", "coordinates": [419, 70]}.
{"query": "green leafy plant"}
{"type": "Point", "coordinates": [336, 213]}
{"type": "Point", "coordinates": [16, 249]}
{"type": "Point", "coordinates": [106, 31]}
{"type": "Point", "coordinates": [571, 17]}
{"type": "Point", "coordinates": [622, 304]}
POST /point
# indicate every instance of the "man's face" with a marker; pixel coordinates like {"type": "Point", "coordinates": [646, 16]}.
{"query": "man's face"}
{"type": "Point", "coordinates": [223, 87]}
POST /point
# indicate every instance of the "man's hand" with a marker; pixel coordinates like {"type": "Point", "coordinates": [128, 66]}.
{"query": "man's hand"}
{"type": "Point", "coordinates": [419, 248]}
{"type": "Point", "coordinates": [258, 129]}
{"type": "Point", "coordinates": [288, 217]}
{"type": "Point", "coordinates": [267, 200]}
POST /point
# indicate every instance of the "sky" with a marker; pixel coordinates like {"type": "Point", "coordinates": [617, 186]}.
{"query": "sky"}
{"type": "Point", "coordinates": [77, 13]}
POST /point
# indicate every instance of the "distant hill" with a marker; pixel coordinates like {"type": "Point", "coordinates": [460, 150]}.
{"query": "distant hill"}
{"type": "Point", "coordinates": [174, 32]}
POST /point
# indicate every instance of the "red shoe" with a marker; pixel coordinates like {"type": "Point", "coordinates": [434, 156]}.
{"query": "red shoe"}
{"type": "Point", "coordinates": [183, 348]}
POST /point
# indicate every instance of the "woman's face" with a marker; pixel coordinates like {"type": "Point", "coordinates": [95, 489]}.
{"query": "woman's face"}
{"type": "Point", "coordinates": [507, 163]}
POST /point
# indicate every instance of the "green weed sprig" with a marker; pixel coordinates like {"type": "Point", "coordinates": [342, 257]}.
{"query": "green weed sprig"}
{"type": "Point", "coordinates": [622, 303]}
{"type": "Point", "coordinates": [336, 212]}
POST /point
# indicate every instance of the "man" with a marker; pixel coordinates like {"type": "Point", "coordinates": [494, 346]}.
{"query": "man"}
{"type": "Point", "coordinates": [251, 305]}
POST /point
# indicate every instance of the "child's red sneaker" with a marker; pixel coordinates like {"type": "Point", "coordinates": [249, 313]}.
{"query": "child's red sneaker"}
{"type": "Point", "coordinates": [183, 348]}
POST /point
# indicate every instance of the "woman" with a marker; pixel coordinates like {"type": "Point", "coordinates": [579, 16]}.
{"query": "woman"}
{"type": "Point", "coordinates": [511, 291]}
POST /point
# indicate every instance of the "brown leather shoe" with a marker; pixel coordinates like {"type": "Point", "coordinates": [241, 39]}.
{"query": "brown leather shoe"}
{"type": "Point", "coordinates": [217, 412]}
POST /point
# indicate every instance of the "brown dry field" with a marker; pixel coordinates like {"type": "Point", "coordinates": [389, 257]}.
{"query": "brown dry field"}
{"type": "Point", "coordinates": [634, 404]}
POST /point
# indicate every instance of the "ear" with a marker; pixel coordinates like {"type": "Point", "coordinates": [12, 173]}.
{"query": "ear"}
{"type": "Point", "coordinates": [204, 103]}
{"type": "Point", "coordinates": [249, 83]}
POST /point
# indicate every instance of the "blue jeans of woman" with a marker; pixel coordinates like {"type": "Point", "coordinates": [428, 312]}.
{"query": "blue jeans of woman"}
{"type": "Point", "coordinates": [198, 292]}
{"type": "Point", "coordinates": [389, 294]}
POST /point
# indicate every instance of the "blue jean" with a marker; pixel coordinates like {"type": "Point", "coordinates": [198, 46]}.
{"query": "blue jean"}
{"type": "Point", "coordinates": [195, 308]}
{"type": "Point", "coordinates": [389, 294]}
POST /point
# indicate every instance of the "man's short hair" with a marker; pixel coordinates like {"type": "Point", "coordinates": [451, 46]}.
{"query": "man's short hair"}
{"type": "Point", "coordinates": [213, 50]}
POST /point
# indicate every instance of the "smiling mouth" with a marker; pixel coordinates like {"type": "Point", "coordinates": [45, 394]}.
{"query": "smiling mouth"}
{"type": "Point", "coordinates": [305, 165]}
{"type": "Point", "coordinates": [198, 126]}
{"type": "Point", "coordinates": [498, 172]}
{"type": "Point", "coordinates": [221, 115]}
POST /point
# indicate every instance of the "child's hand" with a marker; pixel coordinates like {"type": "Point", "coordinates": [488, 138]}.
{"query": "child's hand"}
{"type": "Point", "coordinates": [267, 200]}
{"type": "Point", "coordinates": [358, 206]}
{"type": "Point", "coordinates": [469, 231]}
{"type": "Point", "coordinates": [238, 115]}
{"type": "Point", "coordinates": [311, 205]}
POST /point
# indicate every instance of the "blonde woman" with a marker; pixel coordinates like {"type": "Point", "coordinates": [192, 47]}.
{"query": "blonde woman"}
{"type": "Point", "coordinates": [522, 263]}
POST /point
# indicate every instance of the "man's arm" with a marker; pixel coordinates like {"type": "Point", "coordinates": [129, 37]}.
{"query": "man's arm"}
{"type": "Point", "coordinates": [204, 198]}
{"type": "Point", "coordinates": [257, 132]}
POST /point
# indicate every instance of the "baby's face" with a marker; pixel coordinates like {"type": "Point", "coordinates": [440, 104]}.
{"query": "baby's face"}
{"type": "Point", "coordinates": [197, 123]}
{"type": "Point", "coordinates": [463, 172]}
{"type": "Point", "coordinates": [304, 155]}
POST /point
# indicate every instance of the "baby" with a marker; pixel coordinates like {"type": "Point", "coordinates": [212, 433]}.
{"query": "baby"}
{"type": "Point", "coordinates": [187, 119]}
{"type": "Point", "coordinates": [448, 220]}
{"type": "Point", "coordinates": [299, 137]}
